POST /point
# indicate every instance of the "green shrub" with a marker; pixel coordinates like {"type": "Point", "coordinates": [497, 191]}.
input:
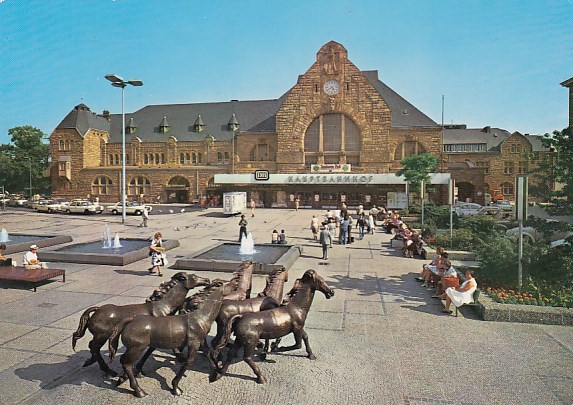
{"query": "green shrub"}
{"type": "Point", "coordinates": [498, 262]}
{"type": "Point", "coordinates": [462, 239]}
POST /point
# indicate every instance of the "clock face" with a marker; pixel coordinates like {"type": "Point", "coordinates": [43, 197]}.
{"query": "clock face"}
{"type": "Point", "coordinates": [331, 87]}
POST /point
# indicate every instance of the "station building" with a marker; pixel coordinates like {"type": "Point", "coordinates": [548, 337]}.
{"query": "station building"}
{"type": "Point", "coordinates": [337, 135]}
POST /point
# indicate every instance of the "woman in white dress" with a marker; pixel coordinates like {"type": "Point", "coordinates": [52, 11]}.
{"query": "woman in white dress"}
{"type": "Point", "coordinates": [461, 295]}
{"type": "Point", "coordinates": [157, 252]}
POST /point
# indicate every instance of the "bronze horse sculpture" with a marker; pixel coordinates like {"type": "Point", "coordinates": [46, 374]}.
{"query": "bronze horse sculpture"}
{"type": "Point", "coordinates": [249, 328]}
{"type": "Point", "coordinates": [166, 300]}
{"type": "Point", "coordinates": [245, 274]}
{"type": "Point", "coordinates": [269, 298]}
{"type": "Point", "coordinates": [188, 329]}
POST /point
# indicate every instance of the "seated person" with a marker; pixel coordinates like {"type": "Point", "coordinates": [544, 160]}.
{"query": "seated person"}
{"type": "Point", "coordinates": [448, 279]}
{"type": "Point", "coordinates": [430, 271]}
{"type": "Point", "coordinates": [282, 237]}
{"type": "Point", "coordinates": [4, 261]}
{"type": "Point", "coordinates": [461, 295]}
{"type": "Point", "coordinates": [413, 245]}
{"type": "Point", "coordinates": [31, 261]}
{"type": "Point", "coordinates": [275, 237]}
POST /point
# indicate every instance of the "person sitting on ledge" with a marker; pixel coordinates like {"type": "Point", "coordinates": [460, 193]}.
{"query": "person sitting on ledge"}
{"type": "Point", "coordinates": [282, 238]}
{"type": "Point", "coordinates": [275, 237]}
{"type": "Point", "coordinates": [461, 295]}
{"type": "Point", "coordinates": [4, 261]}
{"type": "Point", "coordinates": [31, 261]}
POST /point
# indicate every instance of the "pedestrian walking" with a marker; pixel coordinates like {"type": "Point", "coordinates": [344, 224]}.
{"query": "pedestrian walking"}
{"type": "Point", "coordinates": [331, 229]}
{"type": "Point", "coordinates": [242, 227]}
{"type": "Point", "coordinates": [157, 252]}
{"type": "Point", "coordinates": [325, 241]}
{"type": "Point", "coordinates": [296, 203]}
{"type": "Point", "coordinates": [343, 235]}
{"type": "Point", "coordinates": [371, 224]}
{"type": "Point", "coordinates": [252, 206]}
{"type": "Point", "coordinates": [144, 217]}
{"type": "Point", "coordinates": [361, 225]}
{"type": "Point", "coordinates": [314, 227]}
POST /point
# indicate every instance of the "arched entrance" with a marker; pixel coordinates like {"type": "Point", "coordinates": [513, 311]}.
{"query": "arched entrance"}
{"type": "Point", "coordinates": [177, 190]}
{"type": "Point", "coordinates": [466, 191]}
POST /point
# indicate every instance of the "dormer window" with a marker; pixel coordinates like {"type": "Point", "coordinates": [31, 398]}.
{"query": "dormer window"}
{"type": "Point", "coordinates": [164, 126]}
{"type": "Point", "coordinates": [131, 127]}
{"type": "Point", "coordinates": [199, 124]}
{"type": "Point", "coordinates": [233, 123]}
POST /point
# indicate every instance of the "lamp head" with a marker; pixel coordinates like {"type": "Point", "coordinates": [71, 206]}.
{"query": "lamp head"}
{"type": "Point", "coordinates": [135, 82]}
{"type": "Point", "coordinates": [114, 78]}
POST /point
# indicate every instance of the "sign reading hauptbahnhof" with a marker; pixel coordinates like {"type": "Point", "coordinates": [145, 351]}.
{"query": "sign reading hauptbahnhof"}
{"type": "Point", "coordinates": [325, 179]}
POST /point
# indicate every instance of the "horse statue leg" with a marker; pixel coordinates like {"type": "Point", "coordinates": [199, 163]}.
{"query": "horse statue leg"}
{"type": "Point", "coordinates": [248, 351]}
{"type": "Point", "coordinates": [299, 336]}
{"type": "Point", "coordinates": [140, 363]}
{"type": "Point", "coordinates": [193, 349]}
{"type": "Point", "coordinates": [95, 346]}
{"type": "Point", "coordinates": [218, 372]}
{"type": "Point", "coordinates": [127, 361]}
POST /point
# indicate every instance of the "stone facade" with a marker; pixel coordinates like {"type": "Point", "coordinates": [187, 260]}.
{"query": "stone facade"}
{"type": "Point", "coordinates": [173, 152]}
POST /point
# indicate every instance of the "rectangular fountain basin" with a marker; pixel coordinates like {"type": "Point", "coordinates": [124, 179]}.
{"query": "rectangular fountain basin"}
{"type": "Point", "coordinates": [22, 242]}
{"type": "Point", "coordinates": [225, 257]}
{"type": "Point", "coordinates": [133, 250]}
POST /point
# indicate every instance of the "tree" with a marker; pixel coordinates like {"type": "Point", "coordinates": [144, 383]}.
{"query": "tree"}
{"type": "Point", "coordinates": [416, 168]}
{"type": "Point", "coordinates": [25, 156]}
{"type": "Point", "coordinates": [557, 170]}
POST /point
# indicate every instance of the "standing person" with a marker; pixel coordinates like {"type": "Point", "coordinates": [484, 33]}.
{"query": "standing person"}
{"type": "Point", "coordinates": [31, 261]}
{"type": "Point", "coordinates": [343, 235]}
{"type": "Point", "coordinates": [242, 227]}
{"type": "Point", "coordinates": [361, 225]}
{"type": "Point", "coordinates": [325, 241]}
{"type": "Point", "coordinates": [296, 203]}
{"type": "Point", "coordinates": [349, 230]}
{"type": "Point", "coordinates": [371, 224]}
{"type": "Point", "coordinates": [157, 254]}
{"type": "Point", "coordinates": [144, 217]}
{"type": "Point", "coordinates": [332, 229]}
{"type": "Point", "coordinates": [252, 206]}
{"type": "Point", "coordinates": [314, 225]}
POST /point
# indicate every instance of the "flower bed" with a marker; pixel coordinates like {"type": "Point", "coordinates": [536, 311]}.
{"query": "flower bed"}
{"type": "Point", "coordinates": [509, 296]}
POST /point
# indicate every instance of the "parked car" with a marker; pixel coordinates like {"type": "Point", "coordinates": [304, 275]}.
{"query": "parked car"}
{"type": "Point", "coordinates": [493, 211]}
{"type": "Point", "coordinates": [83, 207]}
{"type": "Point", "coordinates": [42, 202]}
{"type": "Point", "coordinates": [17, 202]}
{"type": "Point", "coordinates": [505, 205]}
{"type": "Point", "coordinates": [131, 207]}
{"type": "Point", "coordinates": [466, 209]}
{"type": "Point", "coordinates": [56, 205]}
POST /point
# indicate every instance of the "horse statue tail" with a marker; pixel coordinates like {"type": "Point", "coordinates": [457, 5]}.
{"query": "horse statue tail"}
{"type": "Point", "coordinates": [226, 335]}
{"type": "Point", "coordinates": [114, 337]}
{"type": "Point", "coordinates": [78, 334]}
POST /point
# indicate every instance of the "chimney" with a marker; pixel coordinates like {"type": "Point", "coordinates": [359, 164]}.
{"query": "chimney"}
{"type": "Point", "coordinates": [105, 114]}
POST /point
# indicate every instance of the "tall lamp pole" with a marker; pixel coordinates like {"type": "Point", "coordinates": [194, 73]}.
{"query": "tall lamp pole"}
{"type": "Point", "coordinates": [30, 161]}
{"type": "Point", "coordinates": [117, 81]}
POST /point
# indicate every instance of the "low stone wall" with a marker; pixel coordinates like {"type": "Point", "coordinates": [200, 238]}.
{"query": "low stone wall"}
{"type": "Point", "coordinates": [490, 310]}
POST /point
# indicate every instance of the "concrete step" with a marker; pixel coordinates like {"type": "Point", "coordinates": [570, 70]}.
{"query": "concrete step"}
{"type": "Point", "coordinates": [453, 254]}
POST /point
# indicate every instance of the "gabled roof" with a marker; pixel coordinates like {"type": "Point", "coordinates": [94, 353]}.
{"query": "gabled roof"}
{"type": "Point", "coordinates": [567, 83]}
{"type": "Point", "coordinates": [82, 119]}
{"type": "Point", "coordinates": [404, 114]}
{"type": "Point", "coordinates": [492, 137]}
{"type": "Point", "coordinates": [253, 116]}
{"type": "Point", "coordinates": [536, 144]}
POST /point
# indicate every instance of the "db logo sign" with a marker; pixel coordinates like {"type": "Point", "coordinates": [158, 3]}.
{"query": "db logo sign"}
{"type": "Point", "coordinates": [262, 175]}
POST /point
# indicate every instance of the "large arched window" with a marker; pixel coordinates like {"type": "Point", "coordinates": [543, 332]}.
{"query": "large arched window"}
{"type": "Point", "coordinates": [139, 185]}
{"type": "Point", "coordinates": [331, 136]}
{"type": "Point", "coordinates": [101, 185]}
{"type": "Point", "coordinates": [199, 157]}
{"type": "Point", "coordinates": [408, 148]}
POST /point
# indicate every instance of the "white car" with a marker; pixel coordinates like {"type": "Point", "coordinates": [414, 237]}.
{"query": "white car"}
{"type": "Point", "coordinates": [466, 209]}
{"type": "Point", "coordinates": [531, 235]}
{"type": "Point", "coordinates": [83, 207]}
{"type": "Point", "coordinates": [131, 207]}
{"type": "Point", "coordinates": [504, 205]}
{"type": "Point", "coordinates": [56, 205]}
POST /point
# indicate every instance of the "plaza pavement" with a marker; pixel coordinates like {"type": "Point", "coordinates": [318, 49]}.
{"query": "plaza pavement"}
{"type": "Point", "coordinates": [380, 340]}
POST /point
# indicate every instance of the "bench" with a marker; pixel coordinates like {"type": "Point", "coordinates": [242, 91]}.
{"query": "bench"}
{"type": "Point", "coordinates": [19, 273]}
{"type": "Point", "coordinates": [475, 298]}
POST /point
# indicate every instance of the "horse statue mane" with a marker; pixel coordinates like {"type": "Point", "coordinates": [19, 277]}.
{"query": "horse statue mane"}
{"type": "Point", "coordinates": [196, 300]}
{"type": "Point", "coordinates": [310, 273]}
{"type": "Point", "coordinates": [166, 286]}
{"type": "Point", "coordinates": [270, 281]}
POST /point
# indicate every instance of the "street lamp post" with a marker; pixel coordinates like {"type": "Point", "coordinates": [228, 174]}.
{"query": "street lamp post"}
{"type": "Point", "coordinates": [30, 161]}
{"type": "Point", "coordinates": [117, 81]}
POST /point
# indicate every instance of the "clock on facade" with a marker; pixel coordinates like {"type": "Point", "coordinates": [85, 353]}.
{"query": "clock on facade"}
{"type": "Point", "coordinates": [331, 87]}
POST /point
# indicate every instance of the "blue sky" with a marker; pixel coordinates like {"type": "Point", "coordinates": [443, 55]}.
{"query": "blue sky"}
{"type": "Point", "coordinates": [497, 63]}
